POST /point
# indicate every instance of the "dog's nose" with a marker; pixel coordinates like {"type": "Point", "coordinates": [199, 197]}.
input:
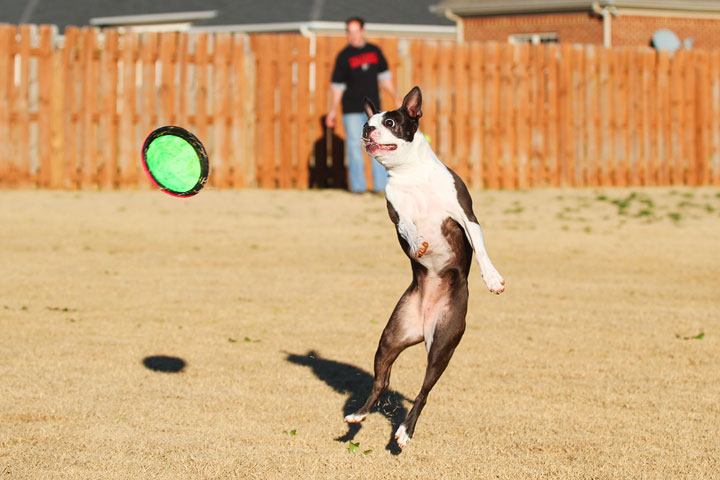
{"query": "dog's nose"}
{"type": "Point", "coordinates": [366, 130]}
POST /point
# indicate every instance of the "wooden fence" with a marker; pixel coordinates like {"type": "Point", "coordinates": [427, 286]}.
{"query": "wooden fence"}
{"type": "Point", "coordinates": [74, 111]}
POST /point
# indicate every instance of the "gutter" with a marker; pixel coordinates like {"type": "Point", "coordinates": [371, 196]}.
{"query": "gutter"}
{"type": "Point", "coordinates": [313, 28]}
{"type": "Point", "coordinates": [460, 37]}
{"type": "Point", "coordinates": [607, 11]}
{"type": "Point", "coordinates": [154, 18]}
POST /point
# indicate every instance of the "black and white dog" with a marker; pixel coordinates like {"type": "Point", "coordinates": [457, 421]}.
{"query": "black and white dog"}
{"type": "Point", "coordinates": [432, 212]}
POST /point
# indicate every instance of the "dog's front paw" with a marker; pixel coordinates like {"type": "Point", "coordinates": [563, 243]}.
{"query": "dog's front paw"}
{"type": "Point", "coordinates": [420, 248]}
{"type": "Point", "coordinates": [402, 437]}
{"type": "Point", "coordinates": [494, 281]}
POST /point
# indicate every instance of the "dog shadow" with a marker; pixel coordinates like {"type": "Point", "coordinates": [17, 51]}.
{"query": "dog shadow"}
{"type": "Point", "coordinates": [345, 378]}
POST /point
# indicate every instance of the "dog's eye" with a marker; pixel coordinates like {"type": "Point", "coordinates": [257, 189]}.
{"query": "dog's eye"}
{"type": "Point", "coordinates": [390, 123]}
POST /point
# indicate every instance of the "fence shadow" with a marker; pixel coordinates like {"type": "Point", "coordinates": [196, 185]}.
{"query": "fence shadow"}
{"type": "Point", "coordinates": [345, 378]}
{"type": "Point", "coordinates": [328, 169]}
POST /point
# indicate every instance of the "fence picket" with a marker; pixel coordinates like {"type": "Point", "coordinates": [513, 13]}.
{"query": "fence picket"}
{"type": "Point", "coordinates": [221, 99]}
{"type": "Point", "coordinates": [108, 123]}
{"type": "Point", "coordinates": [6, 81]}
{"type": "Point", "coordinates": [128, 135]}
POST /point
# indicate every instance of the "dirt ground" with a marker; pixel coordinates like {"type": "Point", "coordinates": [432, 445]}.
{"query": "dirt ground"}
{"type": "Point", "coordinates": [600, 360]}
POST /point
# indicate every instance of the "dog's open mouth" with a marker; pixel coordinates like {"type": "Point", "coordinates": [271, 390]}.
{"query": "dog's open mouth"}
{"type": "Point", "coordinates": [372, 147]}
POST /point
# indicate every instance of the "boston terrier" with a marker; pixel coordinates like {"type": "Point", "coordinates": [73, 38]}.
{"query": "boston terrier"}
{"type": "Point", "coordinates": [432, 212]}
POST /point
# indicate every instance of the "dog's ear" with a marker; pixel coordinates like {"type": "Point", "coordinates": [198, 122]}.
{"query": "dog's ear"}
{"type": "Point", "coordinates": [370, 108]}
{"type": "Point", "coordinates": [412, 103]}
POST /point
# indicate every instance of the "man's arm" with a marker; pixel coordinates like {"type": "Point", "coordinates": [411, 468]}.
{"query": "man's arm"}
{"type": "Point", "coordinates": [387, 83]}
{"type": "Point", "coordinates": [337, 94]}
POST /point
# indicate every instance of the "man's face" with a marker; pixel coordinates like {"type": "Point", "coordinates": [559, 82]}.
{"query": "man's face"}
{"type": "Point", "coordinates": [355, 34]}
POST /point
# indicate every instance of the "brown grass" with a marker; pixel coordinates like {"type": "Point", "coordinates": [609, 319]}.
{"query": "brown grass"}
{"type": "Point", "coordinates": [588, 366]}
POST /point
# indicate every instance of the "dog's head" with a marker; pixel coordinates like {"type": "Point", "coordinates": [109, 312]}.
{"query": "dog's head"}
{"type": "Point", "coordinates": [386, 135]}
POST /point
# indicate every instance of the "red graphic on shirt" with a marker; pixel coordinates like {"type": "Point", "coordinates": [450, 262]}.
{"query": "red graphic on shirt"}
{"type": "Point", "coordinates": [369, 58]}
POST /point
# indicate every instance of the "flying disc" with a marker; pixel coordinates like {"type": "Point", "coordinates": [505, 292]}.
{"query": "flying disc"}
{"type": "Point", "coordinates": [176, 161]}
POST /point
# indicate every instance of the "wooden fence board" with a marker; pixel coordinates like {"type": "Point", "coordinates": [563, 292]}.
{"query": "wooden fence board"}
{"type": "Point", "coordinates": [129, 152]}
{"type": "Point", "coordinates": [579, 118]}
{"type": "Point", "coordinates": [58, 112]}
{"type": "Point", "coordinates": [428, 80]}
{"type": "Point", "coordinates": [475, 135]}
{"type": "Point", "coordinates": [702, 114]}
{"type": "Point", "coordinates": [715, 117]}
{"type": "Point", "coordinates": [240, 114]}
{"type": "Point", "coordinates": [566, 147]}
{"type": "Point", "coordinates": [201, 90]}
{"type": "Point", "coordinates": [552, 144]}
{"type": "Point", "coordinates": [7, 33]}
{"type": "Point", "coordinates": [522, 115]}
{"type": "Point", "coordinates": [604, 112]}
{"type": "Point", "coordinates": [444, 105]}
{"type": "Point", "coordinates": [88, 147]}
{"type": "Point", "coordinates": [22, 109]}
{"type": "Point", "coordinates": [459, 115]}
{"type": "Point", "coordinates": [492, 114]}
{"type": "Point", "coordinates": [507, 116]}
{"type": "Point", "coordinates": [108, 125]}
{"type": "Point", "coordinates": [536, 115]}
{"type": "Point", "coordinates": [691, 108]}
{"type": "Point", "coordinates": [286, 120]}
{"type": "Point", "coordinates": [44, 74]}
{"type": "Point", "coordinates": [304, 118]}
{"type": "Point", "coordinates": [664, 144]}
{"type": "Point", "coordinates": [220, 166]}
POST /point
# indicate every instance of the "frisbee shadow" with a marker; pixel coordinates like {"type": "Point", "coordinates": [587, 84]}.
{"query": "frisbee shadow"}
{"type": "Point", "coordinates": [348, 379]}
{"type": "Point", "coordinates": [328, 169]}
{"type": "Point", "coordinates": [164, 364]}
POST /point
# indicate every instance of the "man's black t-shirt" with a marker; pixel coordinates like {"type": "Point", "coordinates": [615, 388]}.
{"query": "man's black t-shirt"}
{"type": "Point", "coordinates": [357, 69]}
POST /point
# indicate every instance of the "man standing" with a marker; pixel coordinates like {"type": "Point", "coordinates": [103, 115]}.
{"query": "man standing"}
{"type": "Point", "coordinates": [358, 69]}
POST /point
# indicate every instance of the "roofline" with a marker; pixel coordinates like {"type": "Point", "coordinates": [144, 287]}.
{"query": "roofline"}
{"type": "Point", "coordinates": [159, 18]}
{"type": "Point", "coordinates": [470, 8]}
{"type": "Point", "coordinates": [328, 27]}
{"type": "Point", "coordinates": [510, 6]}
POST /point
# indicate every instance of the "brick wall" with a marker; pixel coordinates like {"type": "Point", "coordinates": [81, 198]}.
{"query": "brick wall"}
{"type": "Point", "coordinates": [639, 30]}
{"type": "Point", "coordinates": [570, 27]}
{"type": "Point", "coordinates": [584, 27]}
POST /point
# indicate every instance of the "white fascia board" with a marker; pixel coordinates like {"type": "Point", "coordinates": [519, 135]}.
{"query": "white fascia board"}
{"type": "Point", "coordinates": [159, 18]}
{"type": "Point", "coordinates": [338, 27]}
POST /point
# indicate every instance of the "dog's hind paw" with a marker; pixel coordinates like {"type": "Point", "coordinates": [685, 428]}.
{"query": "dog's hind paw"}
{"type": "Point", "coordinates": [355, 418]}
{"type": "Point", "coordinates": [401, 436]}
{"type": "Point", "coordinates": [494, 281]}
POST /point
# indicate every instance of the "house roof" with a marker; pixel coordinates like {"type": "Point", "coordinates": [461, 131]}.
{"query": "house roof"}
{"type": "Point", "coordinates": [228, 12]}
{"type": "Point", "coordinates": [495, 7]}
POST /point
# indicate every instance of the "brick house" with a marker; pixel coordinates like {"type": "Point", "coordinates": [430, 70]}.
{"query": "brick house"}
{"type": "Point", "coordinates": [696, 23]}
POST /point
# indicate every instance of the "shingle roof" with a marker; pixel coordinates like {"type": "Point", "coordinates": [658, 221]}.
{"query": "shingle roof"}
{"type": "Point", "coordinates": [230, 12]}
{"type": "Point", "coordinates": [498, 7]}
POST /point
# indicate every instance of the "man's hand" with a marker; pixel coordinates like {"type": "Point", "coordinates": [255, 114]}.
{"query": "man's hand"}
{"type": "Point", "coordinates": [330, 119]}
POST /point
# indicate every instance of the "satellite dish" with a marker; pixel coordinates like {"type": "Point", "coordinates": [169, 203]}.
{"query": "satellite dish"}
{"type": "Point", "coordinates": [666, 40]}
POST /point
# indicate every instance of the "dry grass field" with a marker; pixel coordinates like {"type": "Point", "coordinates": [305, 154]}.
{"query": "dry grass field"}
{"type": "Point", "coordinates": [600, 361]}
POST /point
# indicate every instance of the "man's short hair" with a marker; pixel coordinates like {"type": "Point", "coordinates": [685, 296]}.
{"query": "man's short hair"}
{"type": "Point", "coordinates": [355, 19]}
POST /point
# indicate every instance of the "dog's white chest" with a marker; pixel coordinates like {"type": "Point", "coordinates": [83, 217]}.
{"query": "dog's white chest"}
{"type": "Point", "coordinates": [427, 209]}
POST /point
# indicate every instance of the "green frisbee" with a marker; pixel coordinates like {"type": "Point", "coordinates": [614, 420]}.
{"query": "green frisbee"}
{"type": "Point", "coordinates": [176, 161]}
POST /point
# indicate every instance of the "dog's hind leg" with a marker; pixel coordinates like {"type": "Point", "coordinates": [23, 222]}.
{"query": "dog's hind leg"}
{"type": "Point", "coordinates": [447, 332]}
{"type": "Point", "coordinates": [403, 330]}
